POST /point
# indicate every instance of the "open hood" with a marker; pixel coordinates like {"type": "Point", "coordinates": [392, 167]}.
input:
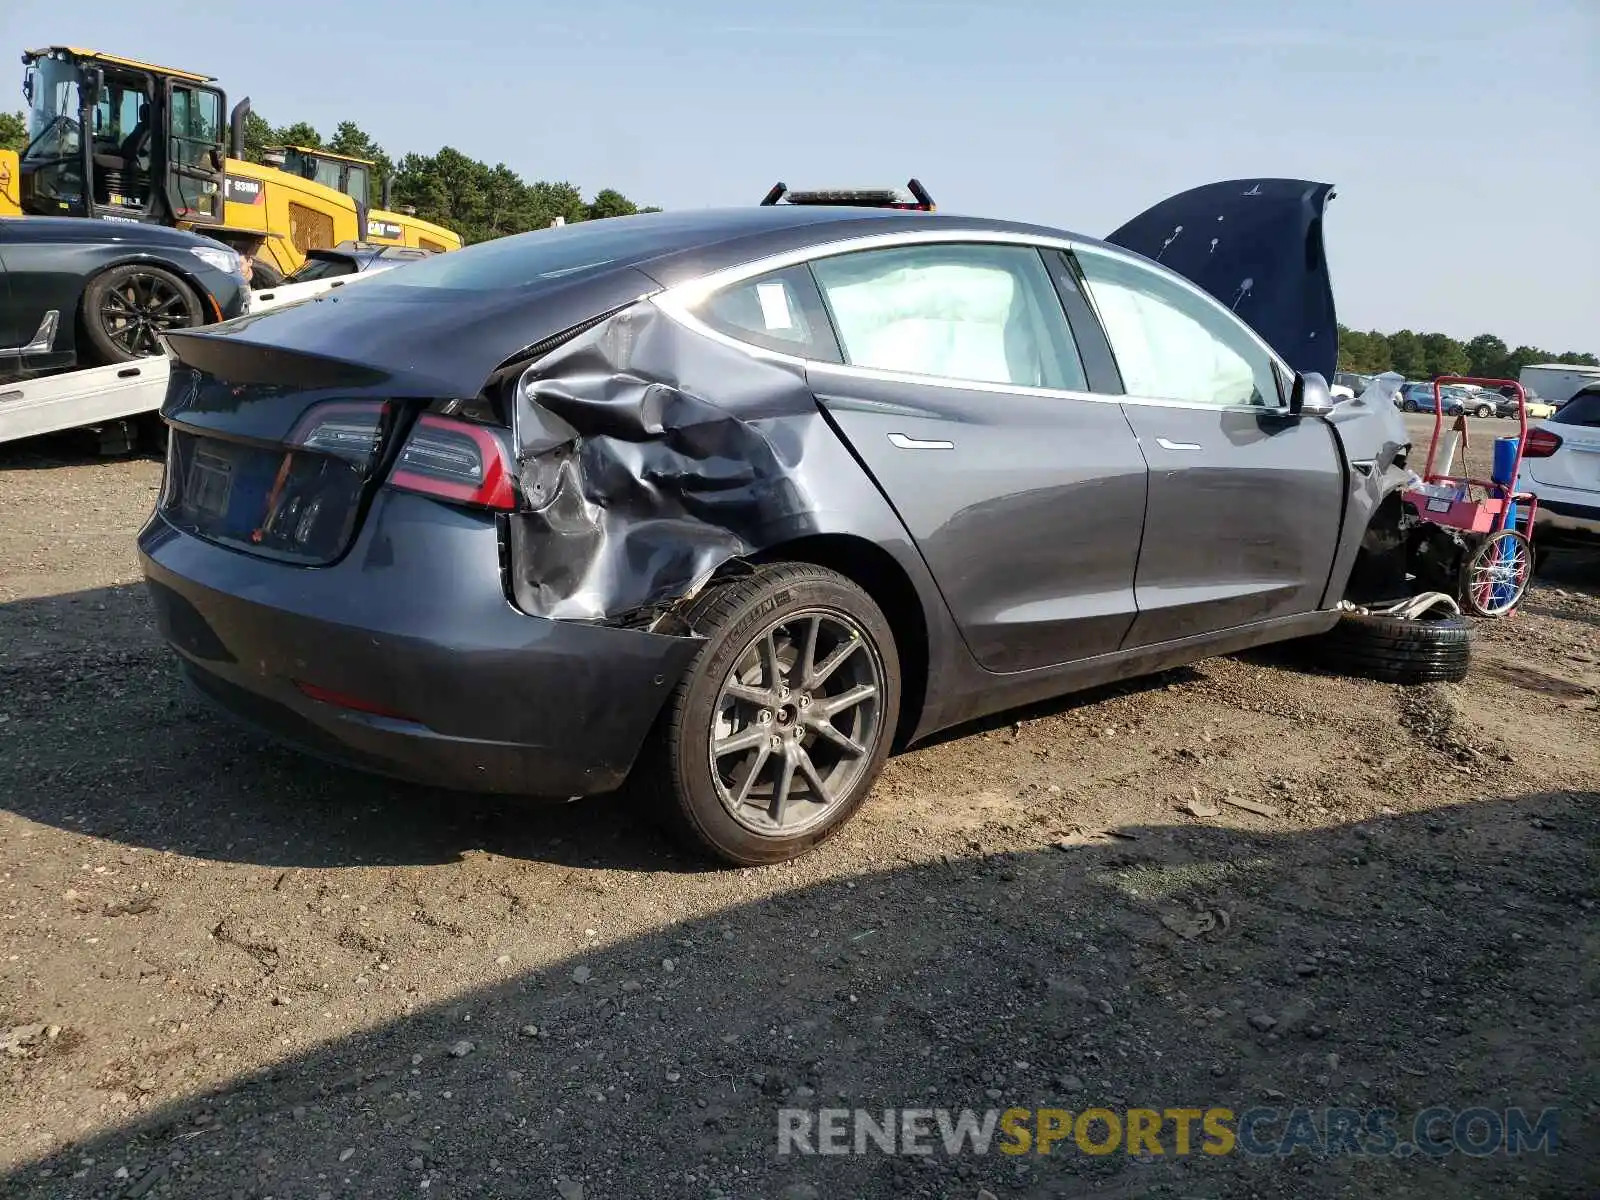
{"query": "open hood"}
{"type": "Point", "coordinates": [1256, 245]}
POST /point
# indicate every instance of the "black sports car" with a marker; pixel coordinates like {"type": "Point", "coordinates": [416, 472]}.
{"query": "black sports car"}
{"type": "Point", "coordinates": [79, 293]}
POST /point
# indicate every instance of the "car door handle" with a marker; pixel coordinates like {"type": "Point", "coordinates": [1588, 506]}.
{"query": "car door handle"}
{"type": "Point", "coordinates": [911, 443]}
{"type": "Point", "coordinates": [1165, 444]}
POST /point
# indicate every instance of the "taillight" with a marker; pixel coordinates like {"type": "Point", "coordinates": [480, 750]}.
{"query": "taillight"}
{"type": "Point", "coordinates": [348, 429]}
{"type": "Point", "coordinates": [456, 461]}
{"type": "Point", "coordinates": [1540, 443]}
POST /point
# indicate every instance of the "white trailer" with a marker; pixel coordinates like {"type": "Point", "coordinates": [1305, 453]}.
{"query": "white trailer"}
{"type": "Point", "coordinates": [93, 396]}
{"type": "Point", "coordinates": [1557, 382]}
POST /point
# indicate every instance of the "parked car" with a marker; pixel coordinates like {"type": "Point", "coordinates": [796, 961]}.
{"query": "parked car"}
{"type": "Point", "coordinates": [1538, 407]}
{"type": "Point", "coordinates": [1561, 466]}
{"type": "Point", "coordinates": [325, 270]}
{"type": "Point", "coordinates": [81, 293]}
{"type": "Point", "coordinates": [1418, 397]}
{"type": "Point", "coordinates": [726, 503]}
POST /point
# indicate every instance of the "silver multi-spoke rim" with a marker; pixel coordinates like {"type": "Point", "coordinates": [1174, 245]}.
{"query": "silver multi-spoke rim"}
{"type": "Point", "coordinates": [797, 722]}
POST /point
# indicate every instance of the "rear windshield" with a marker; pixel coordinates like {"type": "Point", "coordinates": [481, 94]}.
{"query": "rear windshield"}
{"type": "Point", "coordinates": [323, 268]}
{"type": "Point", "coordinates": [526, 260]}
{"type": "Point", "coordinates": [1583, 409]}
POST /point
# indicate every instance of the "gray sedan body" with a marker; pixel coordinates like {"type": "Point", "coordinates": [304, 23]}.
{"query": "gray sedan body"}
{"type": "Point", "coordinates": [1049, 462]}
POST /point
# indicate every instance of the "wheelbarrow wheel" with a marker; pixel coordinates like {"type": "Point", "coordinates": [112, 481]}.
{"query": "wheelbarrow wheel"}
{"type": "Point", "coordinates": [1495, 574]}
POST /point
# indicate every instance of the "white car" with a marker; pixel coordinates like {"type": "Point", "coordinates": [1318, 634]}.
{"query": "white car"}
{"type": "Point", "coordinates": [1561, 466]}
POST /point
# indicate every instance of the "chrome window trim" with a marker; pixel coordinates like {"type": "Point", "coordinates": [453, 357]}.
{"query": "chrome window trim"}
{"type": "Point", "coordinates": [678, 301]}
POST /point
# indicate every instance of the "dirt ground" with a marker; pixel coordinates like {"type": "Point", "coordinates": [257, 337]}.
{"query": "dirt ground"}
{"type": "Point", "coordinates": [227, 971]}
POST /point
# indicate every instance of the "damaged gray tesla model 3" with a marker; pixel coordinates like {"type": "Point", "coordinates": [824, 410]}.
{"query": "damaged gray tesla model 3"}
{"type": "Point", "coordinates": [728, 504]}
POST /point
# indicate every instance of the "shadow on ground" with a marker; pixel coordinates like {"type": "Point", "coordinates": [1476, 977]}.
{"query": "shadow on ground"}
{"type": "Point", "coordinates": [190, 781]}
{"type": "Point", "coordinates": [1444, 959]}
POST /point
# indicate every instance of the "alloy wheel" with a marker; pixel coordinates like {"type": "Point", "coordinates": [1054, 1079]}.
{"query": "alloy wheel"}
{"type": "Point", "coordinates": [797, 722]}
{"type": "Point", "coordinates": [139, 309]}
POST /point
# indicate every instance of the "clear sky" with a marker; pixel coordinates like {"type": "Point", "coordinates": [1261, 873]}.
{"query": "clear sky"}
{"type": "Point", "coordinates": [1463, 135]}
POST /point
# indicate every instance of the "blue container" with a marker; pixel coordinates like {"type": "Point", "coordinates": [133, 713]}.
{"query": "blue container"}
{"type": "Point", "coordinates": [1505, 460]}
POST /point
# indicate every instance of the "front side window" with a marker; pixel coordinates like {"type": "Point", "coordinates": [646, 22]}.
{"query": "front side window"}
{"type": "Point", "coordinates": [985, 313]}
{"type": "Point", "coordinates": [779, 311]}
{"type": "Point", "coordinates": [1171, 344]}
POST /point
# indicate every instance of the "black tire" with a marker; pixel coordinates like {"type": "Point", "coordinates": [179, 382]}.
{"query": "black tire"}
{"type": "Point", "coordinates": [1409, 406]}
{"type": "Point", "coordinates": [675, 775]}
{"type": "Point", "coordinates": [1432, 649]}
{"type": "Point", "coordinates": [264, 275]}
{"type": "Point", "coordinates": [1483, 410]}
{"type": "Point", "coordinates": [126, 308]}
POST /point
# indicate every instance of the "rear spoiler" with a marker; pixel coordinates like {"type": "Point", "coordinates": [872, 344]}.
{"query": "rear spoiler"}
{"type": "Point", "coordinates": [920, 200]}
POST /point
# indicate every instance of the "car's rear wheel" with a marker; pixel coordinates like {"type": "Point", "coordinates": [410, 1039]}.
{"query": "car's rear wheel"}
{"type": "Point", "coordinates": [780, 728]}
{"type": "Point", "coordinates": [1483, 410]}
{"type": "Point", "coordinates": [126, 309]}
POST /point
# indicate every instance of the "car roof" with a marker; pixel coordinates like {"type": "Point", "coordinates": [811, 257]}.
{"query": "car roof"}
{"type": "Point", "coordinates": [95, 229]}
{"type": "Point", "coordinates": [677, 246]}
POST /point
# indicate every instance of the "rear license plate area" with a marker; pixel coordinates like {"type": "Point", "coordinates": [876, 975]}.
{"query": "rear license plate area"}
{"type": "Point", "coordinates": [281, 503]}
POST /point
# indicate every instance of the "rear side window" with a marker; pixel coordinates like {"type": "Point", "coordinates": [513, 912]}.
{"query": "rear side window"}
{"type": "Point", "coordinates": [780, 311]}
{"type": "Point", "coordinates": [989, 314]}
{"type": "Point", "coordinates": [1583, 409]}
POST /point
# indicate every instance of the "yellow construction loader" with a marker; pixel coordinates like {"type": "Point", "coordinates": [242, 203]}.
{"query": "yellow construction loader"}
{"type": "Point", "coordinates": [386, 225]}
{"type": "Point", "coordinates": [120, 139]}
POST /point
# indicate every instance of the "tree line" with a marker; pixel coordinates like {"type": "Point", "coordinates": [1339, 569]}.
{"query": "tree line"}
{"type": "Point", "coordinates": [1429, 355]}
{"type": "Point", "coordinates": [481, 202]}
{"type": "Point", "coordinates": [476, 200]}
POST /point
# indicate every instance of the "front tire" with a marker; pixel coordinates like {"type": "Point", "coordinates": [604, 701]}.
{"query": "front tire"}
{"type": "Point", "coordinates": [781, 726]}
{"type": "Point", "coordinates": [1409, 406]}
{"type": "Point", "coordinates": [126, 309]}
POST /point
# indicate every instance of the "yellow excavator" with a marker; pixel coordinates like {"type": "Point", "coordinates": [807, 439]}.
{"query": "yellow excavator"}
{"type": "Point", "coordinates": [120, 139]}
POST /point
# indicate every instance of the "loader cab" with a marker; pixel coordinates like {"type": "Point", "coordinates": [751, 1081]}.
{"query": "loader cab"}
{"type": "Point", "coordinates": [352, 176]}
{"type": "Point", "coordinates": [115, 138]}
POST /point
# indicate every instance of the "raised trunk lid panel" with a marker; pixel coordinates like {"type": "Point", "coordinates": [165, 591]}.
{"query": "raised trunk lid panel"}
{"type": "Point", "coordinates": [1256, 245]}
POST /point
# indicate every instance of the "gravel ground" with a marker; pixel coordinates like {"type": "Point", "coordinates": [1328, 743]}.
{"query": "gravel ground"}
{"type": "Point", "coordinates": [229, 971]}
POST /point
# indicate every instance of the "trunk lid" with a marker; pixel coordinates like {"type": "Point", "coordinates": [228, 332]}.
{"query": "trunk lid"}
{"type": "Point", "coordinates": [1255, 245]}
{"type": "Point", "coordinates": [285, 424]}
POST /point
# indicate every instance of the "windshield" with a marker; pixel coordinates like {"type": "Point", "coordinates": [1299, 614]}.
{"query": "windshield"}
{"type": "Point", "coordinates": [52, 110]}
{"type": "Point", "coordinates": [309, 166]}
{"type": "Point", "coordinates": [323, 268]}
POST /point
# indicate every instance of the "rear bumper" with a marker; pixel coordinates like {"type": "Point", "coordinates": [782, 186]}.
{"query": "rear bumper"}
{"type": "Point", "coordinates": [413, 621]}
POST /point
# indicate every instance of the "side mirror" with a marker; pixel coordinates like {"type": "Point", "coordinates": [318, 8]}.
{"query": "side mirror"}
{"type": "Point", "coordinates": [1311, 396]}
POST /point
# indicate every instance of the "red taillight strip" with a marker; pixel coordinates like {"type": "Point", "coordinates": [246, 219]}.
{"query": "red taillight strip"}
{"type": "Point", "coordinates": [494, 492]}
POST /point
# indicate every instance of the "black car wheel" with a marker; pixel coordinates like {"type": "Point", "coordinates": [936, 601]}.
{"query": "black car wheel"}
{"type": "Point", "coordinates": [1427, 649]}
{"type": "Point", "coordinates": [1410, 406]}
{"type": "Point", "coordinates": [264, 275]}
{"type": "Point", "coordinates": [126, 309]}
{"type": "Point", "coordinates": [779, 730]}
{"type": "Point", "coordinates": [1483, 410]}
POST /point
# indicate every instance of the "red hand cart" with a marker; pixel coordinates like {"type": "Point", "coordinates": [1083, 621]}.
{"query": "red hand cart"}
{"type": "Point", "coordinates": [1491, 520]}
